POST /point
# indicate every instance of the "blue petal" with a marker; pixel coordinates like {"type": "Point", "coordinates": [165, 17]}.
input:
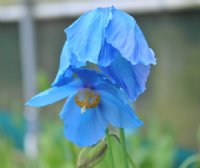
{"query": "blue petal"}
{"type": "Point", "coordinates": [107, 54]}
{"type": "Point", "coordinates": [63, 79]}
{"type": "Point", "coordinates": [111, 89]}
{"type": "Point", "coordinates": [67, 59]}
{"type": "Point", "coordinates": [82, 129]}
{"type": "Point", "coordinates": [86, 35]}
{"type": "Point", "coordinates": [124, 34]}
{"type": "Point", "coordinates": [89, 77]}
{"type": "Point", "coordinates": [117, 113]}
{"type": "Point", "coordinates": [64, 63]}
{"type": "Point", "coordinates": [131, 78]}
{"type": "Point", "coordinates": [54, 94]}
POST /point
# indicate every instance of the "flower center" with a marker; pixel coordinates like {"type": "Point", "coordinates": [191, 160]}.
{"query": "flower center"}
{"type": "Point", "coordinates": [87, 98]}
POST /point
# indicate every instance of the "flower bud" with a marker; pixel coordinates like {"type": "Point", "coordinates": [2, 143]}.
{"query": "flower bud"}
{"type": "Point", "coordinates": [91, 156]}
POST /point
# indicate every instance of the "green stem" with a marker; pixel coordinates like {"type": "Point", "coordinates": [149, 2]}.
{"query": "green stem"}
{"type": "Point", "coordinates": [131, 161]}
{"type": "Point", "coordinates": [110, 148]}
{"type": "Point", "coordinates": [192, 159]}
{"type": "Point", "coordinates": [124, 151]}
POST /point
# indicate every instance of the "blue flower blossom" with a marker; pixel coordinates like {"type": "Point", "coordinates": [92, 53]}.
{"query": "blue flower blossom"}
{"type": "Point", "coordinates": [112, 40]}
{"type": "Point", "coordinates": [93, 103]}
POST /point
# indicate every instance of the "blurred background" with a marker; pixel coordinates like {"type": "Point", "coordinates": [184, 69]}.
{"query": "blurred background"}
{"type": "Point", "coordinates": [31, 40]}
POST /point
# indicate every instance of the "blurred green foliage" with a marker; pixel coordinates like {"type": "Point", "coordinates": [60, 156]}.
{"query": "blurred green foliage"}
{"type": "Point", "coordinates": [153, 149]}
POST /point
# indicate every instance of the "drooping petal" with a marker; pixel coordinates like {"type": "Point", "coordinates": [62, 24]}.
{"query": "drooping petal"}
{"type": "Point", "coordinates": [99, 37]}
{"type": "Point", "coordinates": [117, 113]}
{"type": "Point", "coordinates": [67, 59]}
{"type": "Point", "coordinates": [83, 129]}
{"type": "Point", "coordinates": [131, 78]}
{"type": "Point", "coordinates": [54, 94]}
{"type": "Point", "coordinates": [124, 34]}
{"type": "Point", "coordinates": [107, 55]}
{"type": "Point", "coordinates": [86, 35]}
{"type": "Point", "coordinates": [64, 63]}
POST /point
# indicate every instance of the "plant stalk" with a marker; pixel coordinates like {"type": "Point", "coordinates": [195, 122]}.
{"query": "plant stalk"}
{"type": "Point", "coordinates": [110, 149]}
{"type": "Point", "coordinates": [131, 161]}
{"type": "Point", "coordinates": [124, 150]}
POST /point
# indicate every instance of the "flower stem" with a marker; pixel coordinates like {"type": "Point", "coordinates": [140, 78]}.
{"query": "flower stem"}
{"type": "Point", "coordinates": [110, 148]}
{"type": "Point", "coordinates": [131, 161]}
{"type": "Point", "coordinates": [124, 151]}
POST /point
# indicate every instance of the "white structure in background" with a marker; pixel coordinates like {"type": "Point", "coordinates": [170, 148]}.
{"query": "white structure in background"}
{"type": "Point", "coordinates": [75, 8]}
{"type": "Point", "coordinates": [28, 53]}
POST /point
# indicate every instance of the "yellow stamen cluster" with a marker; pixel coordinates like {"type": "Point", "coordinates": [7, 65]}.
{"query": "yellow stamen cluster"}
{"type": "Point", "coordinates": [86, 98]}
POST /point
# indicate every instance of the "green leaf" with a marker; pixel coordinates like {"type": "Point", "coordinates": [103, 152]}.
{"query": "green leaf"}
{"type": "Point", "coordinates": [91, 156]}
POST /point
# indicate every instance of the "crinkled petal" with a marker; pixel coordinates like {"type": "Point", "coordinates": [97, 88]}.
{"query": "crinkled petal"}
{"type": "Point", "coordinates": [99, 36]}
{"type": "Point", "coordinates": [82, 129]}
{"type": "Point", "coordinates": [86, 35]}
{"type": "Point", "coordinates": [54, 94]}
{"type": "Point", "coordinates": [124, 34]}
{"type": "Point", "coordinates": [107, 55]}
{"type": "Point", "coordinates": [131, 78]}
{"type": "Point", "coordinates": [117, 113]}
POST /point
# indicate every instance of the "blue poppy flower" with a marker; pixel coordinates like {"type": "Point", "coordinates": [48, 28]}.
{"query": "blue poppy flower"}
{"type": "Point", "coordinates": [112, 40]}
{"type": "Point", "coordinates": [93, 103]}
